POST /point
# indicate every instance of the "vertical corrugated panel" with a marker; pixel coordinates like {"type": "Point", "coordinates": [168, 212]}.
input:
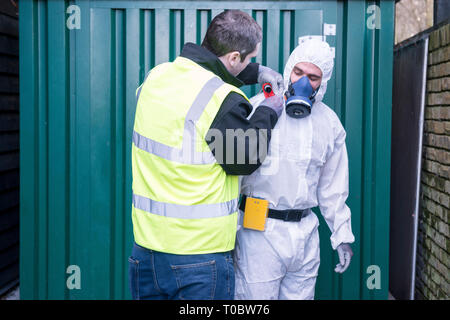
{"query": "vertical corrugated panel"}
{"type": "Point", "coordinates": [58, 187]}
{"type": "Point", "coordinates": [78, 102]}
{"type": "Point", "coordinates": [82, 250]}
{"type": "Point", "coordinates": [382, 158]}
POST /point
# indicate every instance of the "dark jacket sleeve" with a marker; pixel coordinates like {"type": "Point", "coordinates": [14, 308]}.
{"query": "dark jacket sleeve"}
{"type": "Point", "coordinates": [250, 74]}
{"type": "Point", "coordinates": [240, 145]}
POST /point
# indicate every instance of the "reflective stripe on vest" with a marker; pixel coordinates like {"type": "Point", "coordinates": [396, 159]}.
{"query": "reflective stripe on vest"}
{"type": "Point", "coordinates": [184, 155]}
{"type": "Point", "coordinates": [187, 154]}
{"type": "Point", "coordinates": [173, 210]}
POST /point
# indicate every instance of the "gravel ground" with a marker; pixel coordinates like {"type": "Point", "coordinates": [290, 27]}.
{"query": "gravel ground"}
{"type": "Point", "coordinates": [13, 294]}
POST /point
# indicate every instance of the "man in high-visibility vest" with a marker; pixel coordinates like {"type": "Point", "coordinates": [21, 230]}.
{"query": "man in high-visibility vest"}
{"type": "Point", "coordinates": [186, 158]}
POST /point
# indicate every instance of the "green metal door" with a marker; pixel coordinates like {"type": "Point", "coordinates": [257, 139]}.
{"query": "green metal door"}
{"type": "Point", "coordinates": [77, 93]}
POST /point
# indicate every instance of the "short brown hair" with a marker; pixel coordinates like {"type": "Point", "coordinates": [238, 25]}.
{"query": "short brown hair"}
{"type": "Point", "coordinates": [232, 30]}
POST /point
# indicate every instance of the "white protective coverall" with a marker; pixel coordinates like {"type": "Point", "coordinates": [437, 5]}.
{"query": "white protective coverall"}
{"type": "Point", "coordinates": [306, 166]}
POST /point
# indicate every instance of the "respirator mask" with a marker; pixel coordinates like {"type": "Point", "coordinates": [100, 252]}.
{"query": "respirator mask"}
{"type": "Point", "coordinates": [300, 97]}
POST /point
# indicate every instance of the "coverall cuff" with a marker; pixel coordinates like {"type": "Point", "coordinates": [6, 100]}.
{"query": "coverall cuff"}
{"type": "Point", "coordinates": [343, 235]}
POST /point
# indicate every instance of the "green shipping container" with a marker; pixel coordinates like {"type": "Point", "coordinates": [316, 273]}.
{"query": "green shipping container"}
{"type": "Point", "coordinates": [77, 101]}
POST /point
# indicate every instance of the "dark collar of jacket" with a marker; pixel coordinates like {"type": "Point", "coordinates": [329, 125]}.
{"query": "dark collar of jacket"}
{"type": "Point", "coordinates": [209, 61]}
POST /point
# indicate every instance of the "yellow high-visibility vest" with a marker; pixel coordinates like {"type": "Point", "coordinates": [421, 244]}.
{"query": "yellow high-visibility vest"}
{"type": "Point", "coordinates": [183, 202]}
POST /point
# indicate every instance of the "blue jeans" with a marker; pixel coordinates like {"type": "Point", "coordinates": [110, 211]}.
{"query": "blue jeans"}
{"type": "Point", "coordinates": [157, 275]}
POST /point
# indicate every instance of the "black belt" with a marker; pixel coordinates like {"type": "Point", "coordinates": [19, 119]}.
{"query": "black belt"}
{"type": "Point", "coordinates": [286, 215]}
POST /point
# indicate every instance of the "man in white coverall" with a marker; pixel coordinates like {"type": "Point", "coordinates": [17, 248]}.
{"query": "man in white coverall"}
{"type": "Point", "coordinates": [311, 168]}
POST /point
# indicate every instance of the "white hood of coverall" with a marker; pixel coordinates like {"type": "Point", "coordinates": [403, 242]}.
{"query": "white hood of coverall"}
{"type": "Point", "coordinates": [310, 50]}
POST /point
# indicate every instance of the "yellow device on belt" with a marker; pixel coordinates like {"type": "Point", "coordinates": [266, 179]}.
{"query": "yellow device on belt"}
{"type": "Point", "coordinates": [255, 213]}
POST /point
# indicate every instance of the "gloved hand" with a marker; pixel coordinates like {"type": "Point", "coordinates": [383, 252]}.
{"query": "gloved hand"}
{"type": "Point", "coordinates": [265, 74]}
{"type": "Point", "coordinates": [275, 103]}
{"type": "Point", "coordinates": [345, 254]}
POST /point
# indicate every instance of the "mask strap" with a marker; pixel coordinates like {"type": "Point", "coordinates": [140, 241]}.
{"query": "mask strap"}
{"type": "Point", "coordinates": [287, 94]}
{"type": "Point", "coordinates": [313, 96]}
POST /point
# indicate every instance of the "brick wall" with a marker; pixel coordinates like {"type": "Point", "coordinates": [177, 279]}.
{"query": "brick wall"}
{"type": "Point", "coordinates": [432, 268]}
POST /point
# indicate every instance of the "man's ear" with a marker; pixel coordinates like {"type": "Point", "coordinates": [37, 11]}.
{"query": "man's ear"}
{"type": "Point", "coordinates": [234, 58]}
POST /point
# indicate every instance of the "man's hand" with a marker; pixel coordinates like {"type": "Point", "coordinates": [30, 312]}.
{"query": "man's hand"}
{"type": "Point", "coordinates": [266, 74]}
{"type": "Point", "coordinates": [345, 254]}
{"type": "Point", "coordinates": [275, 103]}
